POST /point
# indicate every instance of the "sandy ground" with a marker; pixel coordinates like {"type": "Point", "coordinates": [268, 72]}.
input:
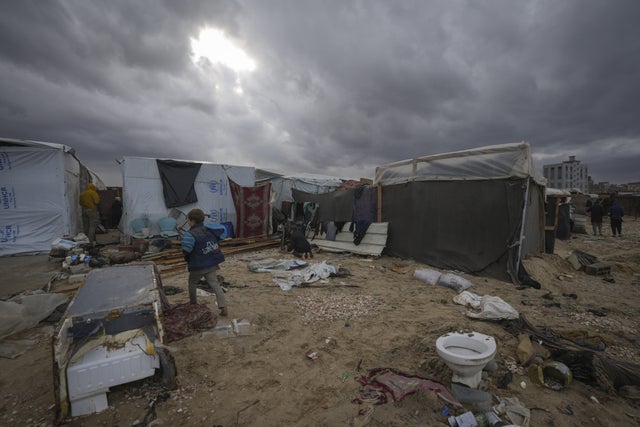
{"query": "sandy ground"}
{"type": "Point", "coordinates": [266, 379]}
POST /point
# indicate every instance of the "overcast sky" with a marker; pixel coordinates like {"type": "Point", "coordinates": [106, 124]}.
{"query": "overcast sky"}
{"type": "Point", "coordinates": [328, 87]}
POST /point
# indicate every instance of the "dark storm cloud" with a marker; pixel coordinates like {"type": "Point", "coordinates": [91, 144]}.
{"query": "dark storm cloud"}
{"type": "Point", "coordinates": [340, 87]}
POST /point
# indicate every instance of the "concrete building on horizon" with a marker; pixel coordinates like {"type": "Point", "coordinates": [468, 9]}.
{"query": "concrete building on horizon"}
{"type": "Point", "coordinates": [568, 175]}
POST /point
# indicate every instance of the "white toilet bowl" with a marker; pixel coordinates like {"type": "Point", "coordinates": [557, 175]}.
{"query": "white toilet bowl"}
{"type": "Point", "coordinates": [466, 353]}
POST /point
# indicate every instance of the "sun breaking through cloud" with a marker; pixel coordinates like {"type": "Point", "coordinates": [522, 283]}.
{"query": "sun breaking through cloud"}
{"type": "Point", "coordinates": [214, 45]}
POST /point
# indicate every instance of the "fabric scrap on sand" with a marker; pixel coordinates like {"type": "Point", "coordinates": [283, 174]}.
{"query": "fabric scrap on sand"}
{"type": "Point", "coordinates": [187, 319]}
{"type": "Point", "coordinates": [382, 381]}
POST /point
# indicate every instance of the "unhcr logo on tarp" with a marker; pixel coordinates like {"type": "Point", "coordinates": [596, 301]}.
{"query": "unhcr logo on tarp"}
{"type": "Point", "coordinates": [8, 197]}
{"type": "Point", "coordinates": [9, 233]}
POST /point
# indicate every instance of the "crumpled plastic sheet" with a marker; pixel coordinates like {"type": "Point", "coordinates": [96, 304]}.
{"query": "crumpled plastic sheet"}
{"type": "Point", "coordinates": [25, 311]}
{"type": "Point", "coordinates": [313, 273]}
{"type": "Point", "coordinates": [491, 307]}
{"type": "Point", "coordinates": [270, 265]}
{"type": "Point", "coordinates": [517, 413]}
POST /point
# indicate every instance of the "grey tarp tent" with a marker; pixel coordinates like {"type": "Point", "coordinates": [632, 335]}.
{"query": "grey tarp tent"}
{"type": "Point", "coordinates": [478, 211]}
{"type": "Point", "coordinates": [40, 186]}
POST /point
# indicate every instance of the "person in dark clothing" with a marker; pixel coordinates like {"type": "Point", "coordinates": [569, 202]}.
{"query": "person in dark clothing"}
{"type": "Point", "coordinates": [299, 244]}
{"type": "Point", "coordinates": [615, 214]}
{"type": "Point", "coordinates": [116, 212]}
{"type": "Point", "coordinates": [203, 254]}
{"type": "Point", "coordinates": [597, 212]}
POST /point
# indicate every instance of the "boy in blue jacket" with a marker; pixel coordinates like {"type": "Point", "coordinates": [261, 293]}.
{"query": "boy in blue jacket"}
{"type": "Point", "coordinates": [202, 252]}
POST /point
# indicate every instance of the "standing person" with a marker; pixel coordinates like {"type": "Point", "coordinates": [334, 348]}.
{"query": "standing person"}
{"type": "Point", "coordinates": [597, 212]}
{"type": "Point", "coordinates": [89, 200]}
{"type": "Point", "coordinates": [299, 244]}
{"type": "Point", "coordinates": [202, 252]}
{"type": "Point", "coordinates": [616, 213]}
{"type": "Point", "coordinates": [116, 212]}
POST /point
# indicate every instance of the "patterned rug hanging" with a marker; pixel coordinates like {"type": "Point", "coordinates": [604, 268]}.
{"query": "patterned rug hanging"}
{"type": "Point", "coordinates": [252, 209]}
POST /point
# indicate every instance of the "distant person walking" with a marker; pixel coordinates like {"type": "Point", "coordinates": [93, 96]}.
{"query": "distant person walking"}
{"type": "Point", "coordinates": [89, 200]}
{"type": "Point", "coordinates": [615, 214]}
{"type": "Point", "coordinates": [203, 254]}
{"type": "Point", "coordinates": [597, 212]}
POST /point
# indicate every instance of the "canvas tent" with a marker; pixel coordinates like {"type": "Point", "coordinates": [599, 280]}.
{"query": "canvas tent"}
{"type": "Point", "coordinates": [40, 185]}
{"type": "Point", "coordinates": [478, 211]}
{"type": "Point", "coordinates": [144, 195]}
{"type": "Point", "coordinates": [283, 184]}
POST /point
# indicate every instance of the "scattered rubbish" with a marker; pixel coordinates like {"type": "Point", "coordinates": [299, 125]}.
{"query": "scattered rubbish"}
{"type": "Point", "coordinates": [598, 269]}
{"type": "Point", "coordinates": [220, 331]}
{"type": "Point", "coordinates": [564, 276]}
{"type": "Point", "coordinates": [236, 328]}
{"type": "Point", "coordinates": [567, 410]}
{"type": "Point", "coordinates": [449, 280]}
{"type": "Point", "coordinates": [313, 355]}
{"type": "Point", "coordinates": [551, 374]}
{"type": "Point", "coordinates": [380, 381]}
{"type": "Point", "coordinates": [186, 319]}
{"type": "Point", "coordinates": [26, 310]}
{"type": "Point", "coordinates": [464, 420]}
{"type": "Point", "coordinates": [172, 290]}
{"type": "Point", "coordinates": [242, 327]}
{"type": "Point", "coordinates": [514, 410]}
{"type": "Point", "coordinates": [505, 380]}
{"type": "Point", "coordinates": [594, 399]}
{"type": "Point", "coordinates": [579, 260]}
{"type": "Point", "coordinates": [269, 265]}
{"type": "Point", "coordinates": [523, 385]}
{"type": "Point", "coordinates": [310, 274]}
{"type": "Point", "coordinates": [527, 350]}
{"type": "Point", "coordinates": [478, 400]}
{"type": "Point", "coordinates": [63, 244]}
{"type": "Point", "coordinates": [344, 375]}
{"type": "Point", "coordinates": [491, 307]}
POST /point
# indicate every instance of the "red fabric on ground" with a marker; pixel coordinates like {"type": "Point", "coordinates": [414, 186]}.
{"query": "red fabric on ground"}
{"type": "Point", "coordinates": [186, 319]}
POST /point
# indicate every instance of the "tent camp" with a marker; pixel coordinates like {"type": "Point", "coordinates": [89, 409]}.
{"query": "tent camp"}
{"type": "Point", "coordinates": [478, 211]}
{"type": "Point", "coordinates": [40, 185]}
{"type": "Point", "coordinates": [282, 184]}
{"type": "Point", "coordinates": [153, 188]}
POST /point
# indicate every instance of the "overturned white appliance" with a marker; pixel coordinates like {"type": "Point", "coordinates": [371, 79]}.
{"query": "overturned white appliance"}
{"type": "Point", "coordinates": [111, 334]}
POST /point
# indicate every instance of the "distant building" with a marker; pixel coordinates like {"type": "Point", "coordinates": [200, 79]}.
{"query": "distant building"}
{"type": "Point", "coordinates": [568, 175]}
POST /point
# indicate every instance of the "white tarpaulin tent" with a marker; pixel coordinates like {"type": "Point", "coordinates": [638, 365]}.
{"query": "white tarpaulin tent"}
{"type": "Point", "coordinates": [282, 183]}
{"type": "Point", "coordinates": [40, 185]}
{"type": "Point", "coordinates": [143, 191]}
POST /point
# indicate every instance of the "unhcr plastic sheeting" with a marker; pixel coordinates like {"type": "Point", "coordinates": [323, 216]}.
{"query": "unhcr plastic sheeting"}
{"type": "Point", "coordinates": [143, 196]}
{"type": "Point", "coordinates": [39, 188]}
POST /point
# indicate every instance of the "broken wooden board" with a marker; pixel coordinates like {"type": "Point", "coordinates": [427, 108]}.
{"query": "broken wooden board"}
{"type": "Point", "coordinates": [373, 242]}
